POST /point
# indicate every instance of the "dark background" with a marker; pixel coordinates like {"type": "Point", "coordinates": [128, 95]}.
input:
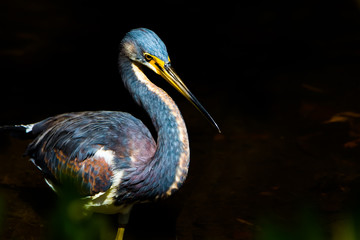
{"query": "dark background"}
{"type": "Point", "coordinates": [269, 72]}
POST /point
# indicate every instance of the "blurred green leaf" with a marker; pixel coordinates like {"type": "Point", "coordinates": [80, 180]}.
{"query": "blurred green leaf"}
{"type": "Point", "coordinates": [306, 225]}
{"type": "Point", "coordinates": [68, 221]}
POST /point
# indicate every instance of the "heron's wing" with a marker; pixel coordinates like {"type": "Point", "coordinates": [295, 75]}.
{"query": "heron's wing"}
{"type": "Point", "coordinates": [86, 149]}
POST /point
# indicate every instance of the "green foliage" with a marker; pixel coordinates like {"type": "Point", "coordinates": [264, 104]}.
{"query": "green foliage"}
{"type": "Point", "coordinates": [68, 221]}
{"type": "Point", "coordinates": [310, 226]}
{"type": "Point", "coordinates": [307, 225]}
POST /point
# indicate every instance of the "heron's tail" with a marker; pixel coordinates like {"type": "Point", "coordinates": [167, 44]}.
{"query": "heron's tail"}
{"type": "Point", "coordinates": [18, 131]}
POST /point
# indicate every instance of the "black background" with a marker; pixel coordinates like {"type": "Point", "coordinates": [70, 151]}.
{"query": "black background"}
{"type": "Point", "coordinates": [62, 55]}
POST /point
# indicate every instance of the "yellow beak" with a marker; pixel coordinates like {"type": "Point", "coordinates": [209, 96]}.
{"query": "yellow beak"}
{"type": "Point", "coordinates": [168, 73]}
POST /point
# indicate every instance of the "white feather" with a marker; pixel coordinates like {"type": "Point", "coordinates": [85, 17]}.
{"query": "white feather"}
{"type": "Point", "coordinates": [28, 127]}
{"type": "Point", "coordinates": [108, 155]}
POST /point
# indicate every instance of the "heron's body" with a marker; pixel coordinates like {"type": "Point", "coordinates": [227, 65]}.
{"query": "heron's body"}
{"type": "Point", "coordinates": [114, 152]}
{"type": "Point", "coordinates": [110, 158]}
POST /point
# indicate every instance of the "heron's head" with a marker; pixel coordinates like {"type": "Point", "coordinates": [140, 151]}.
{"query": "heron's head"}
{"type": "Point", "coordinates": [144, 47]}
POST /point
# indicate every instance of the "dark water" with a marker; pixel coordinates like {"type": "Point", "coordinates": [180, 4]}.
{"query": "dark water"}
{"type": "Point", "coordinates": [270, 73]}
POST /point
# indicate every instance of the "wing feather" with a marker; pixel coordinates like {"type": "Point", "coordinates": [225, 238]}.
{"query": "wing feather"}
{"type": "Point", "coordinates": [66, 147]}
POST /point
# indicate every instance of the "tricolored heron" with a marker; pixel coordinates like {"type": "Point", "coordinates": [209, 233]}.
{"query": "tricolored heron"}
{"type": "Point", "coordinates": [110, 158]}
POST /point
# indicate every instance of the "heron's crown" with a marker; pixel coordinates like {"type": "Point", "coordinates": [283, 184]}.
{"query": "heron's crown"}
{"type": "Point", "coordinates": [142, 40]}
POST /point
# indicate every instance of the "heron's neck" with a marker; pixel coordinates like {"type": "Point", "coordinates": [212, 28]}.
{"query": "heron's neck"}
{"type": "Point", "coordinates": [172, 154]}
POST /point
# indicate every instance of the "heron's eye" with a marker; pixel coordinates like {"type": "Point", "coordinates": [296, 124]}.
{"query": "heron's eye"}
{"type": "Point", "coordinates": [148, 57]}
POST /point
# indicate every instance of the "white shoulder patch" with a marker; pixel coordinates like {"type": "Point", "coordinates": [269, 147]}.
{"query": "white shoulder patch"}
{"type": "Point", "coordinates": [108, 155]}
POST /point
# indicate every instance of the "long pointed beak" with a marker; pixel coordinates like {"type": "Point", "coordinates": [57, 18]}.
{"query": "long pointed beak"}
{"type": "Point", "coordinates": [167, 72]}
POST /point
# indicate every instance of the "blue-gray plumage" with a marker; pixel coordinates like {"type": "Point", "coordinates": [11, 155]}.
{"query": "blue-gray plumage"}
{"type": "Point", "coordinates": [111, 157]}
{"type": "Point", "coordinates": [145, 40]}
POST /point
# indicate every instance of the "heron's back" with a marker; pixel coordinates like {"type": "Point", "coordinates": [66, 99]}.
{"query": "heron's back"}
{"type": "Point", "coordinates": [88, 148]}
